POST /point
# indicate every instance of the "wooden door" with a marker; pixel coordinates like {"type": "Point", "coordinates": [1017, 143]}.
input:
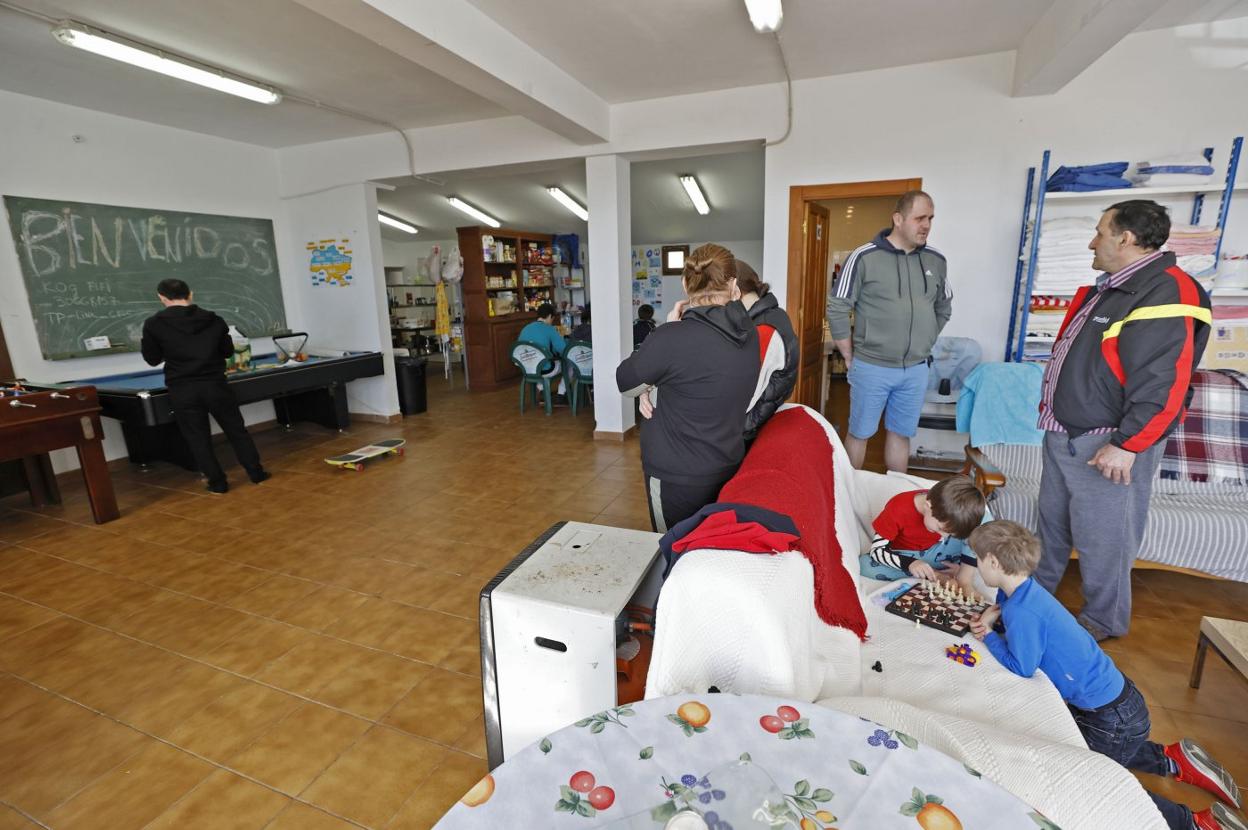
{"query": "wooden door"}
{"type": "Point", "coordinates": [811, 305]}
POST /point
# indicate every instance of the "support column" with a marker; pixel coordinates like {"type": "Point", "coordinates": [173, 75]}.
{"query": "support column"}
{"type": "Point", "coordinates": [610, 288]}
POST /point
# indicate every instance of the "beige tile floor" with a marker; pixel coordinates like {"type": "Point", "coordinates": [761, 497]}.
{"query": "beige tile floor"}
{"type": "Point", "coordinates": [304, 654]}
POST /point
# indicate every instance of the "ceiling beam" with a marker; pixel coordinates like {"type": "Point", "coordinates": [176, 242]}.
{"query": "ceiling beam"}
{"type": "Point", "coordinates": [1070, 36]}
{"type": "Point", "coordinates": [457, 41]}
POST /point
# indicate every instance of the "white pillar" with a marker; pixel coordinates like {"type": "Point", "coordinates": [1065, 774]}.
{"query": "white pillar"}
{"type": "Point", "coordinates": [610, 286]}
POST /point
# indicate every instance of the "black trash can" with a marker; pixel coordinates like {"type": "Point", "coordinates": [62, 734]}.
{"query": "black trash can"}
{"type": "Point", "coordinates": [412, 394]}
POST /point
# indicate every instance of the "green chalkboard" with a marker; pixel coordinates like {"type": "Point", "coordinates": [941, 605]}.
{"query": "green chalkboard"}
{"type": "Point", "coordinates": [91, 270]}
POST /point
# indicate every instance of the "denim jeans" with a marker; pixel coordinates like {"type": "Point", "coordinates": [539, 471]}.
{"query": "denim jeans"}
{"type": "Point", "coordinates": [1120, 731]}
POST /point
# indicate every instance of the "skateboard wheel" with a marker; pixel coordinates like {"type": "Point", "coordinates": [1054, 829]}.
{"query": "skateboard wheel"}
{"type": "Point", "coordinates": [359, 468]}
{"type": "Point", "coordinates": [401, 451]}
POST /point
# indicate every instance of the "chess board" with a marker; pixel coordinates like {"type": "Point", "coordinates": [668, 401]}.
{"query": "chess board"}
{"type": "Point", "coordinates": [936, 608]}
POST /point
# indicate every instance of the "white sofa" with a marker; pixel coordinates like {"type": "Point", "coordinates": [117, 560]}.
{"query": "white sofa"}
{"type": "Point", "coordinates": [745, 623]}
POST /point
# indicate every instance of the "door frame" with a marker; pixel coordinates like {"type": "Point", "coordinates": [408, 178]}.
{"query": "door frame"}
{"type": "Point", "coordinates": [799, 196]}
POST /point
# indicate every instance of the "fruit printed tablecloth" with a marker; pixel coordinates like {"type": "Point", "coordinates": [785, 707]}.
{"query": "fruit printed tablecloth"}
{"type": "Point", "coordinates": [834, 771]}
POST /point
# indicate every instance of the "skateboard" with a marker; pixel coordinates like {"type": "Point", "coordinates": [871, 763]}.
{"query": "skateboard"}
{"type": "Point", "coordinates": [356, 458]}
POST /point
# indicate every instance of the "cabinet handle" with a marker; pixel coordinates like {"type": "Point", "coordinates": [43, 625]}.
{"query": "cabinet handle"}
{"type": "Point", "coordinates": [59, 395]}
{"type": "Point", "coordinates": [16, 403]}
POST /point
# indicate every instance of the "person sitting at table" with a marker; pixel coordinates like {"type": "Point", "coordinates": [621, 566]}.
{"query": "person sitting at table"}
{"type": "Point", "coordinates": [194, 343]}
{"type": "Point", "coordinates": [643, 325]}
{"type": "Point", "coordinates": [1028, 629]}
{"type": "Point", "coordinates": [542, 332]}
{"type": "Point", "coordinates": [583, 332]}
{"type": "Point", "coordinates": [705, 363]}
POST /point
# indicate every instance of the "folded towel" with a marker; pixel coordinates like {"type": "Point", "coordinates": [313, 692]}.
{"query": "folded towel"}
{"type": "Point", "coordinates": [1088, 177]}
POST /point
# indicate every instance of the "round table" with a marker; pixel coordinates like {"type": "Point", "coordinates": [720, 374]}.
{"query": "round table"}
{"type": "Point", "coordinates": [834, 770]}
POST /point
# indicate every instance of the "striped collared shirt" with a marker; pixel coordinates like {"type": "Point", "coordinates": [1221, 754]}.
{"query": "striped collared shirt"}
{"type": "Point", "coordinates": [1053, 369]}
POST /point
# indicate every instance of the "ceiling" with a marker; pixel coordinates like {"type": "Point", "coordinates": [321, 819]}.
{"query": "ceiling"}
{"type": "Point", "coordinates": [661, 212]}
{"type": "Point", "coordinates": [621, 51]}
{"type": "Point", "coordinates": [274, 41]}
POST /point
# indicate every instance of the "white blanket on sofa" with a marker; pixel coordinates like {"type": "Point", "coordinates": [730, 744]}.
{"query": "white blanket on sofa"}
{"type": "Point", "coordinates": [745, 623]}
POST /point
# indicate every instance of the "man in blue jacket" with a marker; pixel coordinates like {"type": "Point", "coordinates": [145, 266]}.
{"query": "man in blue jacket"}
{"type": "Point", "coordinates": [898, 290]}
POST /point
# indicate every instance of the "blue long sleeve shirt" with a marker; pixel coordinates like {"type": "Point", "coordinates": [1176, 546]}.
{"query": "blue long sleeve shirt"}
{"type": "Point", "coordinates": [1041, 634]}
{"type": "Point", "coordinates": [543, 334]}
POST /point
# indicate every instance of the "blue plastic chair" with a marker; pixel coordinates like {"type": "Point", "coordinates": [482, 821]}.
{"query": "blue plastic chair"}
{"type": "Point", "coordinates": [537, 366]}
{"type": "Point", "coordinates": [579, 358]}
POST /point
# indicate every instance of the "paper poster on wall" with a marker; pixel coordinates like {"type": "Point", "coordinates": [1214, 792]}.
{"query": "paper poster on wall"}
{"type": "Point", "coordinates": [330, 263]}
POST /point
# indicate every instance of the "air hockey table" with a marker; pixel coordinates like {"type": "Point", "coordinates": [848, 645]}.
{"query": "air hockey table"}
{"type": "Point", "coordinates": [314, 390]}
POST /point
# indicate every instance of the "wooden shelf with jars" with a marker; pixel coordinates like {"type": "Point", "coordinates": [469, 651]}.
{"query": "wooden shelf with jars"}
{"type": "Point", "coordinates": [507, 275]}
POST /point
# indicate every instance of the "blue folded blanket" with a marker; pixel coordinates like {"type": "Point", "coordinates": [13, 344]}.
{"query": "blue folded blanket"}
{"type": "Point", "coordinates": [1106, 176]}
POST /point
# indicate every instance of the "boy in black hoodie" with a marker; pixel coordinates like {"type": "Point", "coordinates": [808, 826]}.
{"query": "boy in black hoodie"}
{"type": "Point", "coordinates": [705, 362]}
{"type": "Point", "coordinates": [194, 343]}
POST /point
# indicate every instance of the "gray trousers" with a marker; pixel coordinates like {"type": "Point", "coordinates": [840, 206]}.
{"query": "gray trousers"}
{"type": "Point", "coordinates": [1104, 521]}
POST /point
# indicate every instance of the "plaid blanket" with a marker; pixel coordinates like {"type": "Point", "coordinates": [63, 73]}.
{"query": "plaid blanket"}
{"type": "Point", "coordinates": [1211, 445]}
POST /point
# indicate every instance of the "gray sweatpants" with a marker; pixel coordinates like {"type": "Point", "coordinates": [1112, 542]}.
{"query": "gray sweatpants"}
{"type": "Point", "coordinates": [1104, 521]}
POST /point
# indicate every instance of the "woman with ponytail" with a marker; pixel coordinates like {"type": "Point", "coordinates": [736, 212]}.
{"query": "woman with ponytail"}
{"type": "Point", "coordinates": [705, 362]}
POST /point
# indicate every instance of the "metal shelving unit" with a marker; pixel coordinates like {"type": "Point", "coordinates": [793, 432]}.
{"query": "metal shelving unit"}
{"type": "Point", "coordinates": [1033, 215]}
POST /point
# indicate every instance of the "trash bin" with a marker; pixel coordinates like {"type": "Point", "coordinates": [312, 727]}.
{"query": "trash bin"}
{"type": "Point", "coordinates": [411, 375]}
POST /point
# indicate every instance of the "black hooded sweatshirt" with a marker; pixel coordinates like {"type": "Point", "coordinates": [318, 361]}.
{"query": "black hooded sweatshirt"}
{"type": "Point", "coordinates": [192, 342]}
{"type": "Point", "coordinates": [706, 367]}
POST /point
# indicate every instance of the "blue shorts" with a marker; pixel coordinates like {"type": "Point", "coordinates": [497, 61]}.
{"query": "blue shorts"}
{"type": "Point", "coordinates": [897, 393]}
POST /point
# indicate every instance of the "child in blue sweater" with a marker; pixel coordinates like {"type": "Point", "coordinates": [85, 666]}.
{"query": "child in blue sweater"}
{"type": "Point", "coordinates": [1029, 629]}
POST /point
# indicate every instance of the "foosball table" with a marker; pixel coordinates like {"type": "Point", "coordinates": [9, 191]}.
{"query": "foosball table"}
{"type": "Point", "coordinates": [38, 419]}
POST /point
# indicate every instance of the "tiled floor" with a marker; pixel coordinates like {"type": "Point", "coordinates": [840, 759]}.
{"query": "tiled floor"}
{"type": "Point", "coordinates": [303, 655]}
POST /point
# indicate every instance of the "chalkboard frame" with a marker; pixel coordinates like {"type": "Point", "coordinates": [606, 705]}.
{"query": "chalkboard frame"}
{"type": "Point", "coordinates": [230, 262]}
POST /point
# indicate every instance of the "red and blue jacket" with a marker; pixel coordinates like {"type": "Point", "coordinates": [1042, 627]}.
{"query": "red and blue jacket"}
{"type": "Point", "coordinates": [1130, 366]}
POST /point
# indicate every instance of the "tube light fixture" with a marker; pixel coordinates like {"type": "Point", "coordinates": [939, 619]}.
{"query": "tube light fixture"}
{"type": "Point", "coordinates": [395, 223]}
{"type": "Point", "coordinates": [766, 15]}
{"type": "Point", "coordinates": [568, 202]}
{"type": "Point", "coordinates": [479, 215]}
{"type": "Point", "coordinates": [695, 194]}
{"type": "Point", "coordinates": [110, 46]}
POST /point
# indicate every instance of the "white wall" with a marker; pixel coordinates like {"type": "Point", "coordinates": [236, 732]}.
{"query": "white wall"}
{"type": "Point", "coordinates": [121, 162]}
{"type": "Point", "coordinates": [352, 317]}
{"type": "Point", "coordinates": [748, 250]}
{"type": "Point", "coordinates": [953, 124]}
{"type": "Point", "coordinates": [412, 256]}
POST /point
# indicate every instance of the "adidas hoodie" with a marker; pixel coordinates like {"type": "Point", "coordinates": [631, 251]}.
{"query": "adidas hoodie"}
{"type": "Point", "coordinates": [900, 302]}
{"type": "Point", "coordinates": [706, 367]}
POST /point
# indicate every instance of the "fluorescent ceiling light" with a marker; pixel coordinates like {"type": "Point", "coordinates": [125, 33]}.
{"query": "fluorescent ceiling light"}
{"type": "Point", "coordinates": [479, 215]}
{"type": "Point", "coordinates": [111, 46]}
{"type": "Point", "coordinates": [766, 15]}
{"type": "Point", "coordinates": [395, 223]}
{"type": "Point", "coordinates": [695, 194]}
{"type": "Point", "coordinates": [568, 202]}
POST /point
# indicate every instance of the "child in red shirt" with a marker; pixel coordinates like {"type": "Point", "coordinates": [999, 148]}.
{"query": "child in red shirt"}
{"type": "Point", "coordinates": [922, 533]}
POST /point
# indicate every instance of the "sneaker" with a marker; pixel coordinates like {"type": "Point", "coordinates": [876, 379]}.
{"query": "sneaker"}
{"type": "Point", "coordinates": [1199, 770]}
{"type": "Point", "coordinates": [263, 475]}
{"type": "Point", "coordinates": [219, 489]}
{"type": "Point", "coordinates": [1218, 817]}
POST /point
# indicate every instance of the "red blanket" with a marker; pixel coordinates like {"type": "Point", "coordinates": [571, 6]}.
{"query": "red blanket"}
{"type": "Point", "coordinates": [789, 470]}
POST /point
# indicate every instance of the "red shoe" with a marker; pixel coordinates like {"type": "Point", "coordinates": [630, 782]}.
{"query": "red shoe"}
{"type": "Point", "coordinates": [1200, 770]}
{"type": "Point", "coordinates": [1218, 817]}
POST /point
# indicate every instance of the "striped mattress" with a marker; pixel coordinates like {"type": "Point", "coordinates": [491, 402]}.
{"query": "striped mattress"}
{"type": "Point", "coordinates": [1191, 524]}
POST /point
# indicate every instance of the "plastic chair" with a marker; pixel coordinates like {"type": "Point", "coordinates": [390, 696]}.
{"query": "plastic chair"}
{"type": "Point", "coordinates": [538, 366]}
{"type": "Point", "coordinates": [579, 358]}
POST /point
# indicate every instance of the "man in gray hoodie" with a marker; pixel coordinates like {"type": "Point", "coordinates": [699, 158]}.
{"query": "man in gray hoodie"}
{"type": "Point", "coordinates": [898, 290]}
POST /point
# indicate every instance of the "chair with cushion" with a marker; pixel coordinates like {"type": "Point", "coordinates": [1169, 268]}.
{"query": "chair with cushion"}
{"type": "Point", "coordinates": [579, 358]}
{"type": "Point", "coordinates": [537, 366]}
